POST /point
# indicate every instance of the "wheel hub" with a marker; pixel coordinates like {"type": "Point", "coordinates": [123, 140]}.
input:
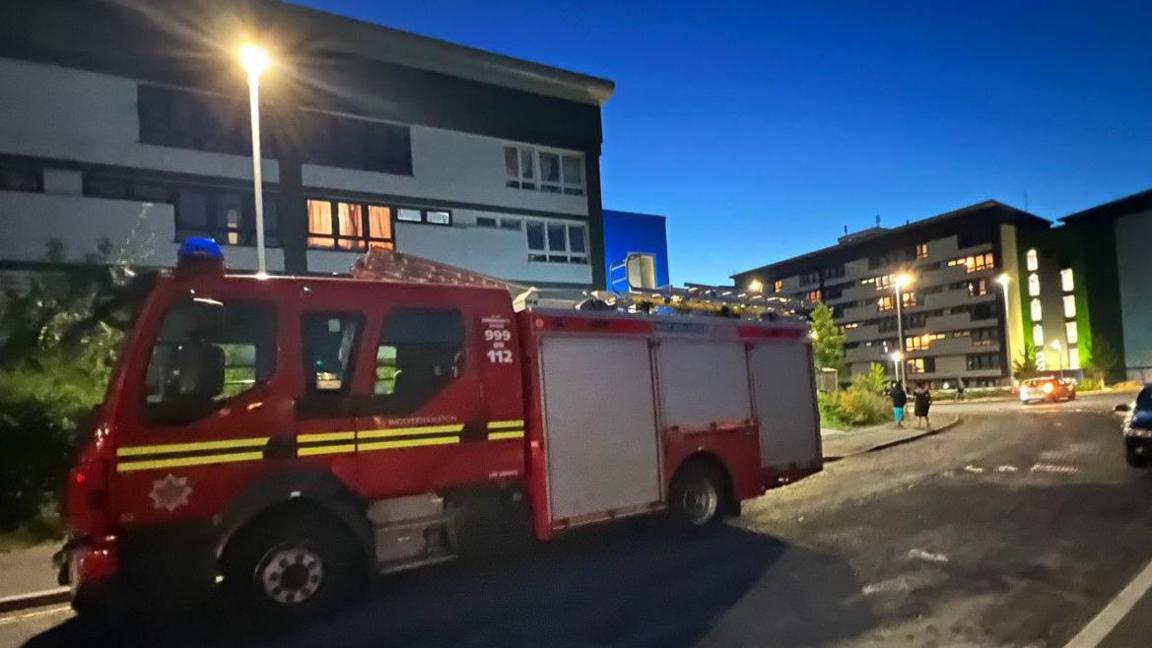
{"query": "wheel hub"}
{"type": "Point", "coordinates": [291, 575]}
{"type": "Point", "coordinates": [700, 502]}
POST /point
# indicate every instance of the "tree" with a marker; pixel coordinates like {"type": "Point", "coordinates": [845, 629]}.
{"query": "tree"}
{"type": "Point", "coordinates": [1025, 367]}
{"type": "Point", "coordinates": [1104, 364]}
{"type": "Point", "coordinates": [827, 339]}
{"type": "Point", "coordinates": [873, 380]}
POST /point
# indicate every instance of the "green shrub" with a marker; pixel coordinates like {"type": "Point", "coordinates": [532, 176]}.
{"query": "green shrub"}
{"type": "Point", "coordinates": [40, 407]}
{"type": "Point", "coordinates": [853, 407]}
{"type": "Point", "coordinates": [1090, 384]}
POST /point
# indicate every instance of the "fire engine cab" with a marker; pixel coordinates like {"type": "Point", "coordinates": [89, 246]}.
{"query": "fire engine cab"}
{"type": "Point", "coordinates": [293, 435]}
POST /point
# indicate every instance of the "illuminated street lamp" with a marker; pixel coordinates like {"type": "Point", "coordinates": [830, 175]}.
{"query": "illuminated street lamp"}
{"type": "Point", "coordinates": [900, 282]}
{"type": "Point", "coordinates": [896, 357]}
{"type": "Point", "coordinates": [255, 61]}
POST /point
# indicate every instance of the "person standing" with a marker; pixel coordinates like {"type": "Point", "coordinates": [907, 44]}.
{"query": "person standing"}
{"type": "Point", "coordinates": [959, 389]}
{"type": "Point", "coordinates": [899, 400]}
{"type": "Point", "coordinates": [923, 400]}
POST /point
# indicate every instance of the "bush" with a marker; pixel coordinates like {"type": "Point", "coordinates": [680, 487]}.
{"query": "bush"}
{"type": "Point", "coordinates": [1089, 384]}
{"type": "Point", "coordinates": [853, 407]}
{"type": "Point", "coordinates": [39, 411]}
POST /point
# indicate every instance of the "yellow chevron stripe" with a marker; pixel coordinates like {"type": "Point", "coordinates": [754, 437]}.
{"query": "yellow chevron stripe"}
{"type": "Point", "coordinates": [180, 462]}
{"type": "Point", "coordinates": [497, 425]}
{"type": "Point", "coordinates": [407, 443]}
{"type": "Point", "coordinates": [393, 432]}
{"type": "Point", "coordinates": [171, 448]}
{"type": "Point", "coordinates": [327, 436]}
{"type": "Point", "coordinates": [323, 450]}
{"type": "Point", "coordinates": [511, 434]}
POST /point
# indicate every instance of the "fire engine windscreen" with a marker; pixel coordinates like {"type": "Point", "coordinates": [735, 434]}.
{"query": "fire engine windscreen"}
{"type": "Point", "coordinates": [207, 352]}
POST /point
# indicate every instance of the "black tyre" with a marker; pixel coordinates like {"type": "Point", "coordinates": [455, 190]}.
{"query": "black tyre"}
{"type": "Point", "coordinates": [698, 496]}
{"type": "Point", "coordinates": [294, 564]}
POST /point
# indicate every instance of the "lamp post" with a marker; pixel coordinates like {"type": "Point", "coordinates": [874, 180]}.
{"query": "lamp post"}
{"type": "Point", "coordinates": [901, 280]}
{"type": "Point", "coordinates": [1003, 280]}
{"type": "Point", "coordinates": [1058, 348]}
{"type": "Point", "coordinates": [255, 61]}
{"type": "Point", "coordinates": [896, 357]}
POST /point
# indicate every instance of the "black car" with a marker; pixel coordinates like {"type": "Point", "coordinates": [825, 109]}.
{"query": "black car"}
{"type": "Point", "coordinates": [1138, 429]}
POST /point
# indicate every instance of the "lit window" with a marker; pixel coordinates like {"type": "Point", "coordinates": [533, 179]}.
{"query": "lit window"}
{"type": "Point", "coordinates": [1033, 285]}
{"type": "Point", "coordinates": [1074, 358]}
{"type": "Point", "coordinates": [851, 325]}
{"type": "Point", "coordinates": [1036, 311]}
{"type": "Point", "coordinates": [1069, 306]}
{"type": "Point", "coordinates": [921, 250]}
{"type": "Point", "coordinates": [1071, 333]}
{"type": "Point", "coordinates": [886, 303]}
{"type": "Point", "coordinates": [908, 299]}
{"type": "Point", "coordinates": [1032, 261]}
{"type": "Point", "coordinates": [977, 287]}
{"type": "Point", "coordinates": [1038, 335]}
{"type": "Point", "coordinates": [812, 296]}
{"type": "Point", "coordinates": [348, 226]}
{"type": "Point", "coordinates": [1066, 283]}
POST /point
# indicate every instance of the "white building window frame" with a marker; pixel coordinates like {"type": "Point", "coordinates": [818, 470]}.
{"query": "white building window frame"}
{"type": "Point", "coordinates": [1033, 285]}
{"type": "Point", "coordinates": [556, 241]}
{"type": "Point", "coordinates": [1067, 281]}
{"type": "Point", "coordinates": [1038, 335]}
{"type": "Point", "coordinates": [1069, 306]}
{"type": "Point", "coordinates": [544, 170]}
{"type": "Point", "coordinates": [1071, 333]}
{"type": "Point", "coordinates": [1032, 261]}
{"type": "Point", "coordinates": [1036, 310]}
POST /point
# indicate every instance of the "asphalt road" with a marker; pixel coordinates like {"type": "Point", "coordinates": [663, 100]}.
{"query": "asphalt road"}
{"type": "Point", "coordinates": [1013, 529]}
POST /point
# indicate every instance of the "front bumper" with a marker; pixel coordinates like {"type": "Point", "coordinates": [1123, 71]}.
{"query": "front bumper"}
{"type": "Point", "coordinates": [90, 567]}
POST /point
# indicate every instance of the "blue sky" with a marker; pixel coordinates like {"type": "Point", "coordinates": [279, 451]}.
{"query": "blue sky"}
{"type": "Point", "coordinates": [761, 129]}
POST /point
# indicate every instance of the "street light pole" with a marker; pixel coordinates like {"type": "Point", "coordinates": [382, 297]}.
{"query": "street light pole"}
{"type": "Point", "coordinates": [1003, 280]}
{"type": "Point", "coordinates": [1056, 346]}
{"type": "Point", "coordinates": [899, 282]}
{"type": "Point", "coordinates": [255, 61]}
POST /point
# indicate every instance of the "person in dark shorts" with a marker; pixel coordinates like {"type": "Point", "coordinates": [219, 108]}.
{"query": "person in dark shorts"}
{"type": "Point", "coordinates": [899, 400]}
{"type": "Point", "coordinates": [923, 401]}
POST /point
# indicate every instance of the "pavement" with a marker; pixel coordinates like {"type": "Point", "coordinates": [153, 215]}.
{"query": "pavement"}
{"type": "Point", "coordinates": [28, 570]}
{"type": "Point", "coordinates": [1020, 527]}
{"type": "Point", "coordinates": [838, 444]}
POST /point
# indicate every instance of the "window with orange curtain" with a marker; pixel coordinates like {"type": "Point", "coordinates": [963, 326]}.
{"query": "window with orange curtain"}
{"type": "Point", "coordinates": [351, 218]}
{"type": "Point", "coordinates": [320, 224]}
{"type": "Point", "coordinates": [380, 227]}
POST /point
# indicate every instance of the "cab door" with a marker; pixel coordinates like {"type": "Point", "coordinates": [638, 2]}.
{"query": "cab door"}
{"type": "Point", "coordinates": [204, 394]}
{"type": "Point", "coordinates": [418, 423]}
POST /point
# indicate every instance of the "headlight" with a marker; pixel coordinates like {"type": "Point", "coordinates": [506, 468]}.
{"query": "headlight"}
{"type": "Point", "coordinates": [1048, 388]}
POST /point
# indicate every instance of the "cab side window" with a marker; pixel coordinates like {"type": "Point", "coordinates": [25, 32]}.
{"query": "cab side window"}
{"type": "Point", "coordinates": [420, 351]}
{"type": "Point", "coordinates": [208, 352]}
{"type": "Point", "coordinates": [329, 348]}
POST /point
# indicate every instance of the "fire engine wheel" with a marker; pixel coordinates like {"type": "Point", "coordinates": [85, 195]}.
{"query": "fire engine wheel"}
{"type": "Point", "coordinates": [294, 564]}
{"type": "Point", "coordinates": [697, 496]}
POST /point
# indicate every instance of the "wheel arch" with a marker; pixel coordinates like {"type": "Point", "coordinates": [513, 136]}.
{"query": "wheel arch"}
{"type": "Point", "coordinates": [318, 490]}
{"type": "Point", "coordinates": [716, 463]}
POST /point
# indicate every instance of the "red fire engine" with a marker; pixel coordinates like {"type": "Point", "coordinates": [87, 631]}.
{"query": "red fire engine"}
{"type": "Point", "coordinates": [292, 435]}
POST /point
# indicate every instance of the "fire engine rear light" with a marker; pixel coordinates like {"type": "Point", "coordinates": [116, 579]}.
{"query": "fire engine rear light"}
{"type": "Point", "coordinates": [79, 477]}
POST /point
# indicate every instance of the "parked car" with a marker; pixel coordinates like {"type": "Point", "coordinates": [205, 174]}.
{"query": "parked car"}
{"type": "Point", "coordinates": [1048, 388]}
{"type": "Point", "coordinates": [1138, 428]}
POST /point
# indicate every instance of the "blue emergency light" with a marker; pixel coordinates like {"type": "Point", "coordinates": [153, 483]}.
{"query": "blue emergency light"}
{"type": "Point", "coordinates": [198, 256]}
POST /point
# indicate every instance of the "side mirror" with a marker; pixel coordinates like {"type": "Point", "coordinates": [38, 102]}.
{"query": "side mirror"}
{"type": "Point", "coordinates": [1122, 408]}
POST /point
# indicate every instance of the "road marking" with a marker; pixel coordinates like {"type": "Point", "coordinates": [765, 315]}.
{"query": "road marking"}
{"type": "Point", "coordinates": [1103, 623]}
{"type": "Point", "coordinates": [1006, 468]}
{"type": "Point", "coordinates": [973, 469]}
{"type": "Point", "coordinates": [32, 615]}
{"type": "Point", "coordinates": [920, 554]}
{"type": "Point", "coordinates": [1055, 468]}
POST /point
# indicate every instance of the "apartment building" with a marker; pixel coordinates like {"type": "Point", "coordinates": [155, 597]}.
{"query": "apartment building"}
{"type": "Point", "coordinates": [124, 128]}
{"type": "Point", "coordinates": [958, 321]}
{"type": "Point", "coordinates": [1087, 285]}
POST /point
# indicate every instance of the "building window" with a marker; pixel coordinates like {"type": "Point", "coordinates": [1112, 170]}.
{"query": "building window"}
{"type": "Point", "coordinates": [983, 361]}
{"type": "Point", "coordinates": [915, 320]}
{"type": "Point", "coordinates": [921, 365]}
{"type": "Point", "coordinates": [349, 226]}
{"type": "Point", "coordinates": [225, 215]}
{"type": "Point", "coordinates": [833, 272]}
{"type": "Point", "coordinates": [921, 342]}
{"type": "Point", "coordinates": [975, 262]}
{"type": "Point", "coordinates": [778, 286]}
{"type": "Point", "coordinates": [349, 143]}
{"type": "Point", "coordinates": [812, 296]}
{"type": "Point", "coordinates": [921, 250]}
{"type": "Point", "coordinates": [548, 171]}
{"type": "Point", "coordinates": [511, 224]}
{"type": "Point", "coordinates": [1069, 306]}
{"type": "Point", "coordinates": [985, 336]}
{"type": "Point", "coordinates": [886, 303]}
{"type": "Point", "coordinates": [850, 325]}
{"type": "Point", "coordinates": [809, 277]}
{"type": "Point", "coordinates": [429, 216]}
{"type": "Point", "coordinates": [1036, 311]}
{"type": "Point", "coordinates": [193, 120]}
{"type": "Point", "coordinates": [908, 299]}
{"type": "Point", "coordinates": [1038, 335]}
{"type": "Point", "coordinates": [977, 287]}
{"type": "Point", "coordinates": [16, 175]}
{"type": "Point", "coordinates": [1031, 261]}
{"type": "Point", "coordinates": [641, 270]}
{"type": "Point", "coordinates": [484, 221]}
{"type": "Point", "coordinates": [1071, 333]}
{"type": "Point", "coordinates": [1033, 285]}
{"type": "Point", "coordinates": [1073, 358]}
{"type": "Point", "coordinates": [833, 292]}
{"type": "Point", "coordinates": [1066, 282]}
{"type": "Point", "coordinates": [556, 242]}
